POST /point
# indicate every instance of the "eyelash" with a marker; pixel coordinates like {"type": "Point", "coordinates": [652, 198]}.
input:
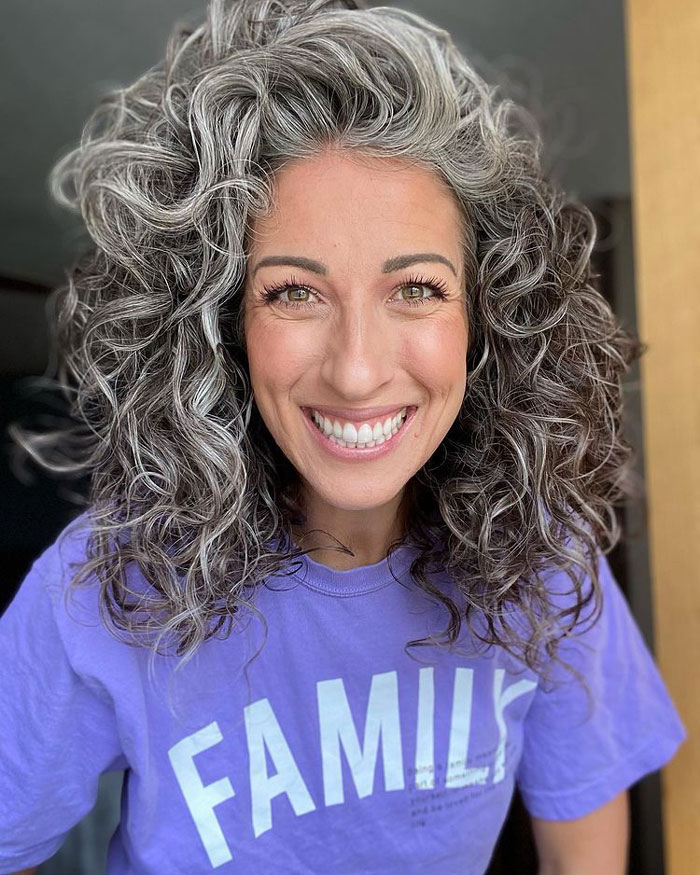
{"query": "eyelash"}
{"type": "Point", "coordinates": [435, 284]}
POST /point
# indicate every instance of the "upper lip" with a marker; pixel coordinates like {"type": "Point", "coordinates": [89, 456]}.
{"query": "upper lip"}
{"type": "Point", "coordinates": [360, 413]}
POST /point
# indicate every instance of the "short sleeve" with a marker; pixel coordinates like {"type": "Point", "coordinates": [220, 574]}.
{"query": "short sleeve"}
{"type": "Point", "coordinates": [57, 735]}
{"type": "Point", "coordinates": [578, 754]}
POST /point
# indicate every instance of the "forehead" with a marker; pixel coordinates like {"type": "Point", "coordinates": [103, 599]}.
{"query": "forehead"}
{"type": "Point", "coordinates": [343, 200]}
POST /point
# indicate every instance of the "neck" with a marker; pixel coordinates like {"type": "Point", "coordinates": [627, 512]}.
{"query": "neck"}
{"type": "Point", "coordinates": [368, 533]}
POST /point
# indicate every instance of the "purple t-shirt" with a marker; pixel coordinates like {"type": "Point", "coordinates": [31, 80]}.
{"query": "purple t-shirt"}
{"type": "Point", "coordinates": [336, 751]}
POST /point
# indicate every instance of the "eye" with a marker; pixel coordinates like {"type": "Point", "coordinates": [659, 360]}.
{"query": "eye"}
{"type": "Point", "coordinates": [272, 294]}
{"type": "Point", "coordinates": [437, 287]}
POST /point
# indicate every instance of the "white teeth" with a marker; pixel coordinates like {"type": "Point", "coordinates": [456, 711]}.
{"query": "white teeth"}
{"type": "Point", "coordinates": [365, 436]}
{"type": "Point", "coordinates": [349, 433]}
{"type": "Point", "coordinates": [362, 436]}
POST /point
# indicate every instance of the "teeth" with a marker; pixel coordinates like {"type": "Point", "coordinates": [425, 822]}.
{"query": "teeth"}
{"type": "Point", "coordinates": [365, 436]}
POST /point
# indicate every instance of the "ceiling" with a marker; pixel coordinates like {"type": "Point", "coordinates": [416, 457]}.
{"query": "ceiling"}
{"type": "Point", "coordinates": [564, 59]}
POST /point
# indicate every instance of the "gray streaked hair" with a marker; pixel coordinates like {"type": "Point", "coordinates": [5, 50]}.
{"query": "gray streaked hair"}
{"type": "Point", "coordinates": [185, 480]}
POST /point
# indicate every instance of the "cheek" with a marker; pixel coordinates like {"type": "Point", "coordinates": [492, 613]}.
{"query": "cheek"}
{"type": "Point", "coordinates": [277, 353]}
{"type": "Point", "coordinates": [440, 356]}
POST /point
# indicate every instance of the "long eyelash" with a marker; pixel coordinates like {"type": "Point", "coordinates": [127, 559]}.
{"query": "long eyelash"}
{"type": "Point", "coordinates": [437, 285]}
{"type": "Point", "coordinates": [272, 292]}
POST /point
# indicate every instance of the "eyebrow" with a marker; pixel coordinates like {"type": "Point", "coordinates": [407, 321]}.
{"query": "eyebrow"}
{"type": "Point", "coordinates": [390, 265]}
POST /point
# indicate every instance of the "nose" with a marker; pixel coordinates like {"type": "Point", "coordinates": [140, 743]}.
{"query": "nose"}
{"type": "Point", "coordinates": [359, 353]}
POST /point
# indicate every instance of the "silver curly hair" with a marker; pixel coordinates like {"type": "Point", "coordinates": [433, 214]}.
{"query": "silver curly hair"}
{"type": "Point", "coordinates": [149, 347]}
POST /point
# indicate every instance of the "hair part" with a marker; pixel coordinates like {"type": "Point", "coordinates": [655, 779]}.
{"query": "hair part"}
{"type": "Point", "coordinates": [185, 480]}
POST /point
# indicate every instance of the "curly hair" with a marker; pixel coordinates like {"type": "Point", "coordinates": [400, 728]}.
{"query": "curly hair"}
{"type": "Point", "coordinates": [169, 175]}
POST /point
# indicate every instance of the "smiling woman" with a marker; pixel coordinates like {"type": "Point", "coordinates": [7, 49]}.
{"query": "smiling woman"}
{"type": "Point", "coordinates": [361, 340]}
{"type": "Point", "coordinates": [351, 408]}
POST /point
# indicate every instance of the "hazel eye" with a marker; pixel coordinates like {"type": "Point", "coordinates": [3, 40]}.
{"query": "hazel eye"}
{"type": "Point", "coordinates": [419, 287]}
{"type": "Point", "coordinates": [292, 291]}
{"type": "Point", "coordinates": [436, 286]}
{"type": "Point", "coordinates": [272, 294]}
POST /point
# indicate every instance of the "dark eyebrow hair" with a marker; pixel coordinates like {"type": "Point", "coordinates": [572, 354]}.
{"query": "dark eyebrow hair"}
{"type": "Point", "coordinates": [390, 265]}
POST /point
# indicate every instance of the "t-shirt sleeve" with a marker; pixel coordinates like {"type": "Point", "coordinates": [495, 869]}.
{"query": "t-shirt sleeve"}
{"type": "Point", "coordinates": [57, 735]}
{"type": "Point", "coordinates": [577, 756]}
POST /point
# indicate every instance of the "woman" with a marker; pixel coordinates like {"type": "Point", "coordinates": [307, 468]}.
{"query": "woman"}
{"type": "Point", "coordinates": [333, 307]}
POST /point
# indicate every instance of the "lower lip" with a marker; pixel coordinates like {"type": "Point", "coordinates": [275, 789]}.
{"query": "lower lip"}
{"type": "Point", "coordinates": [365, 454]}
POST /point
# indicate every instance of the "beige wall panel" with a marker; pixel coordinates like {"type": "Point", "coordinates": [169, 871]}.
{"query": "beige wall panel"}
{"type": "Point", "coordinates": [663, 54]}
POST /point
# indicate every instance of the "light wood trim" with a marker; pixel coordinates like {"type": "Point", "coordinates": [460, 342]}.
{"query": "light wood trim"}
{"type": "Point", "coordinates": [663, 37]}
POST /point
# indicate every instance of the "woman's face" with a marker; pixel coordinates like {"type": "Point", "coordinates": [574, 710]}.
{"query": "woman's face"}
{"type": "Point", "coordinates": [355, 335]}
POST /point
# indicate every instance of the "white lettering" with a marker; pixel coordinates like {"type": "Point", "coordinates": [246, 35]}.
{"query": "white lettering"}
{"type": "Point", "coordinates": [337, 727]}
{"type": "Point", "coordinates": [382, 720]}
{"type": "Point", "coordinates": [425, 742]}
{"type": "Point", "coordinates": [458, 775]}
{"type": "Point", "coordinates": [262, 729]}
{"type": "Point", "coordinates": [501, 699]}
{"type": "Point", "coordinates": [201, 799]}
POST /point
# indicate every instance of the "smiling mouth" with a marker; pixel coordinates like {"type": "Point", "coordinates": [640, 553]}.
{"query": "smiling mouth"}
{"type": "Point", "coordinates": [348, 437]}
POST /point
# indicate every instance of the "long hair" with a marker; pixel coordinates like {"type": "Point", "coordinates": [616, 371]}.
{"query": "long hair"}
{"type": "Point", "coordinates": [148, 338]}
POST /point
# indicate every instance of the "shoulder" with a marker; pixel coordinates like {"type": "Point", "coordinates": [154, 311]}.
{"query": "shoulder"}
{"type": "Point", "coordinates": [48, 601]}
{"type": "Point", "coordinates": [48, 579]}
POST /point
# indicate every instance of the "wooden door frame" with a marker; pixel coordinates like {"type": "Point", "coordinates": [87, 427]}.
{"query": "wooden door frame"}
{"type": "Point", "coordinates": [662, 38]}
